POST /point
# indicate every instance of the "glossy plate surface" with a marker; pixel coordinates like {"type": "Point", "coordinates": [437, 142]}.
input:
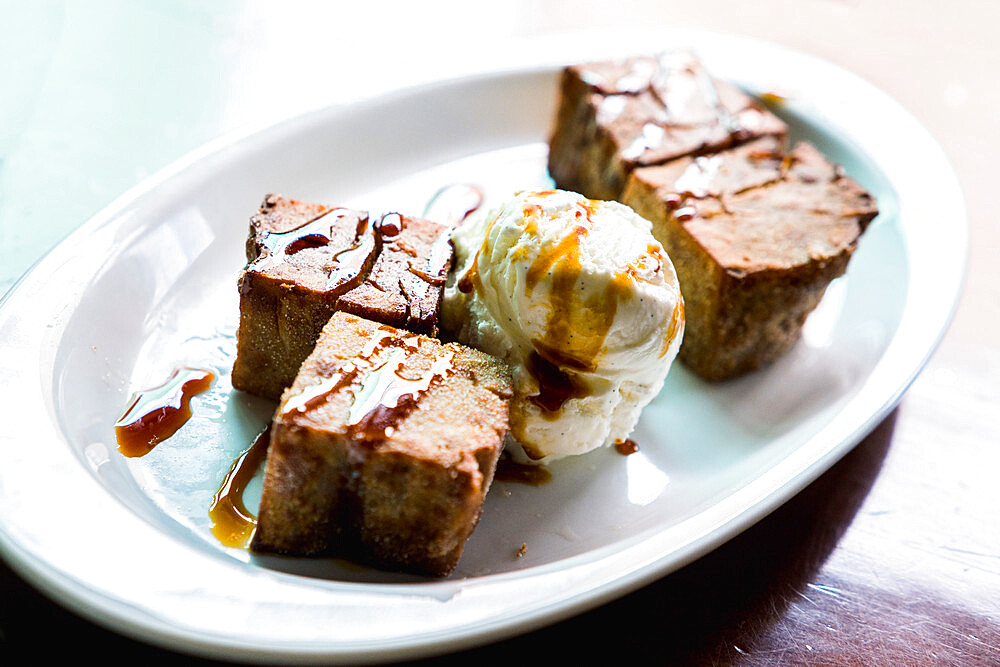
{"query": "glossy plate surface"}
{"type": "Point", "coordinates": [150, 284]}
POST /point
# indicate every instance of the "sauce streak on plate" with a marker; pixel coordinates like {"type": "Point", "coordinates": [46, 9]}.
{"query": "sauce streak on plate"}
{"type": "Point", "coordinates": [155, 414]}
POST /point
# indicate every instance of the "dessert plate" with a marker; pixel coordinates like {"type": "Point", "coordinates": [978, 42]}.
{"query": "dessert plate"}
{"type": "Point", "coordinates": [150, 285]}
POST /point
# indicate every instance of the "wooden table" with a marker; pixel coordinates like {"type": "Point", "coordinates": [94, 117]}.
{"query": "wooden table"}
{"type": "Point", "coordinates": [893, 555]}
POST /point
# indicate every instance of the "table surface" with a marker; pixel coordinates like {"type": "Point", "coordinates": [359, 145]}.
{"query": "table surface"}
{"type": "Point", "coordinates": [892, 556]}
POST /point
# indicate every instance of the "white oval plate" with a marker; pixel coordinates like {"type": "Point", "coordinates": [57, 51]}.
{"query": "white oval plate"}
{"type": "Point", "coordinates": [149, 284]}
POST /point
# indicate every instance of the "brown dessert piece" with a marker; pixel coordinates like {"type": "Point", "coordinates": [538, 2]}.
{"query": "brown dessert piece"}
{"type": "Point", "coordinates": [755, 236]}
{"type": "Point", "coordinates": [615, 116]}
{"type": "Point", "coordinates": [383, 448]}
{"type": "Point", "coordinates": [306, 260]}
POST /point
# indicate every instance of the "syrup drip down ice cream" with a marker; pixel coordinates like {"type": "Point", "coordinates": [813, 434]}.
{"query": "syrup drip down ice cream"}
{"type": "Point", "coordinates": [583, 303]}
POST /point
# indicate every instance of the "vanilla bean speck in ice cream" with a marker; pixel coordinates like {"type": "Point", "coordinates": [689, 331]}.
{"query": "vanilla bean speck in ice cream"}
{"type": "Point", "coordinates": [582, 301]}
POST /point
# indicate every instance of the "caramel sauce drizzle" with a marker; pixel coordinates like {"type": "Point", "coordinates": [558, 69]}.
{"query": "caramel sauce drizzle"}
{"type": "Point", "coordinates": [384, 336]}
{"type": "Point", "coordinates": [435, 271]}
{"type": "Point", "coordinates": [405, 247]}
{"type": "Point", "coordinates": [563, 261]}
{"type": "Point", "coordinates": [276, 246]}
{"type": "Point", "coordinates": [626, 446]}
{"type": "Point", "coordinates": [685, 213]}
{"type": "Point", "coordinates": [728, 121]}
{"type": "Point", "coordinates": [676, 318]}
{"type": "Point", "coordinates": [155, 414]}
{"type": "Point", "coordinates": [575, 330]}
{"type": "Point", "coordinates": [385, 396]}
{"type": "Point", "coordinates": [706, 86]}
{"type": "Point", "coordinates": [232, 523]}
{"type": "Point", "coordinates": [390, 224]}
{"type": "Point", "coordinates": [565, 252]}
{"type": "Point", "coordinates": [555, 386]}
{"type": "Point", "coordinates": [452, 204]}
{"type": "Point", "coordinates": [316, 394]}
{"type": "Point", "coordinates": [573, 345]}
{"type": "Point", "coordinates": [470, 278]}
{"type": "Point", "coordinates": [653, 134]}
{"type": "Point", "coordinates": [439, 257]}
{"type": "Point", "coordinates": [696, 180]}
{"type": "Point", "coordinates": [650, 137]}
{"type": "Point", "coordinates": [350, 263]}
{"type": "Point", "coordinates": [435, 279]}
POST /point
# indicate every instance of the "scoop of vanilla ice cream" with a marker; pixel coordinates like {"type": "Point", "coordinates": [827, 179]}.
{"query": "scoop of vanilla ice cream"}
{"type": "Point", "coordinates": [583, 303]}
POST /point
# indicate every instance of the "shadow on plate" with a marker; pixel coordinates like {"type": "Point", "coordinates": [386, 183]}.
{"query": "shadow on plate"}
{"type": "Point", "coordinates": [711, 610]}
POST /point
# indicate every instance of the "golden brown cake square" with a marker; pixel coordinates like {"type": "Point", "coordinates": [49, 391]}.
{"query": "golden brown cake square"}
{"type": "Point", "coordinates": [756, 236]}
{"type": "Point", "coordinates": [383, 449]}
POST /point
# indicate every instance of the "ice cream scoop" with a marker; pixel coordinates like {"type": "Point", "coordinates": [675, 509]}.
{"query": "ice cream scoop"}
{"type": "Point", "coordinates": [584, 304]}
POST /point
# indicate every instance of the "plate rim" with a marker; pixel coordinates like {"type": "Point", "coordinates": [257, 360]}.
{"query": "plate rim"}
{"type": "Point", "coordinates": [76, 595]}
